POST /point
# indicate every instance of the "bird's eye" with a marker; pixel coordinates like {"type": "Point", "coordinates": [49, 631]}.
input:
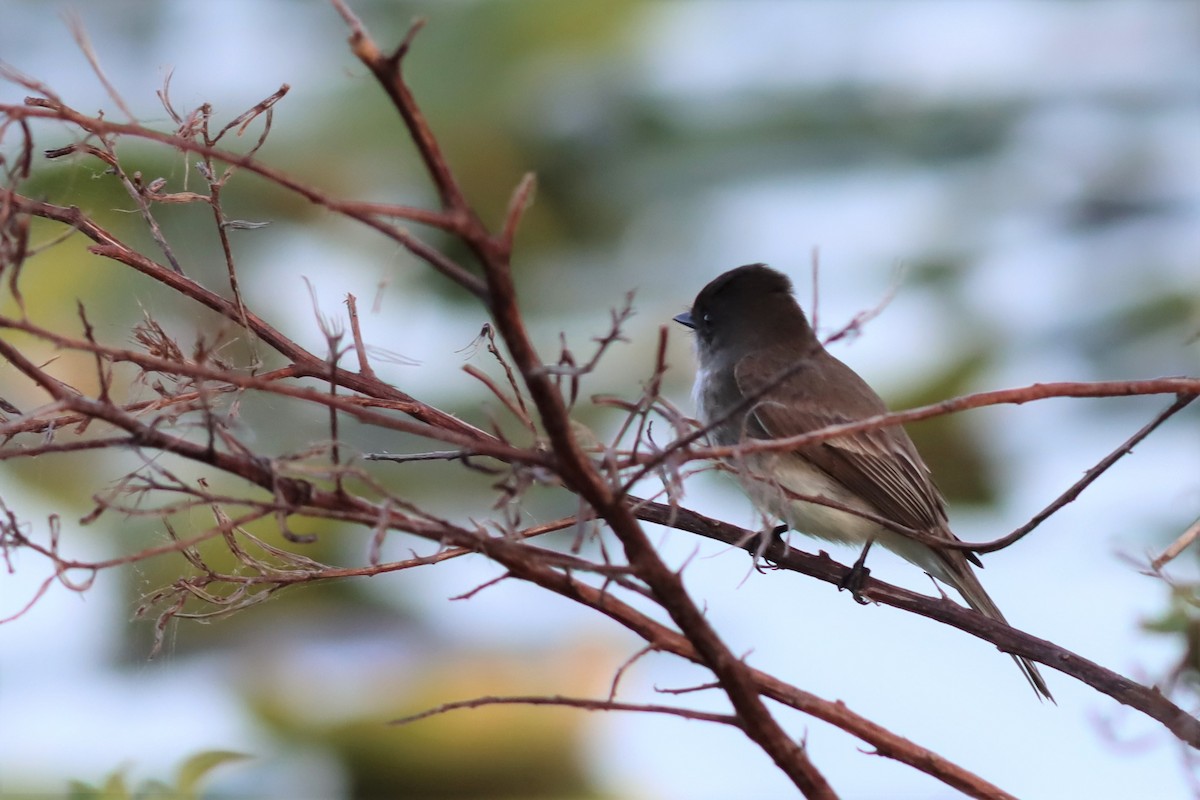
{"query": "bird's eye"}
{"type": "Point", "coordinates": [707, 319]}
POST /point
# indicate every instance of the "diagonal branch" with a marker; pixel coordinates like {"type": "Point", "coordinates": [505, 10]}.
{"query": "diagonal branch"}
{"type": "Point", "coordinates": [573, 465]}
{"type": "Point", "coordinates": [1126, 447]}
{"type": "Point", "coordinates": [1147, 700]}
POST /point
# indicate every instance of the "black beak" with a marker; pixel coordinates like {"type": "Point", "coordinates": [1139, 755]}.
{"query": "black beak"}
{"type": "Point", "coordinates": [685, 319]}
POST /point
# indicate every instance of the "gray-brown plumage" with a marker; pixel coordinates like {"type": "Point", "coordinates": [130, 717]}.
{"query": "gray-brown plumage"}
{"type": "Point", "coordinates": [753, 340]}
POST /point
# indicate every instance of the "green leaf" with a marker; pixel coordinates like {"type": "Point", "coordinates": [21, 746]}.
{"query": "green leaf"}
{"type": "Point", "coordinates": [193, 771]}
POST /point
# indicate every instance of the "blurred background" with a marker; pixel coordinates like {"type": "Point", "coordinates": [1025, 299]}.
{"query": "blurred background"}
{"type": "Point", "coordinates": [1023, 176]}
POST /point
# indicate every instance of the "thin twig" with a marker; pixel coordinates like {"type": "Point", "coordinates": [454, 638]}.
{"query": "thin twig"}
{"type": "Point", "coordinates": [1126, 447]}
{"type": "Point", "coordinates": [100, 127]}
{"type": "Point", "coordinates": [75, 24]}
{"type": "Point", "coordinates": [522, 198]}
{"type": "Point", "coordinates": [364, 365]}
{"type": "Point", "coordinates": [570, 702]}
{"type": "Point", "coordinates": [1176, 547]}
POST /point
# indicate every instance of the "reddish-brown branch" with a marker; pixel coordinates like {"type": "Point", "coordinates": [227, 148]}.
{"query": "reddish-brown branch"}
{"type": "Point", "coordinates": [1038, 391]}
{"type": "Point", "coordinates": [253, 470]}
{"type": "Point", "coordinates": [305, 364]}
{"type": "Point", "coordinates": [388, 72]}
{"type": "Point", "coordinates": [441, 427]}
{"type": "Point", "coordinates": [367, 215]}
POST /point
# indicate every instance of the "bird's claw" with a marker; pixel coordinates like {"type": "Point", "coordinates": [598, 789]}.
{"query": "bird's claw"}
{"type": "Point", "coordinates": [854, 580]}
{"type": "Point", "coordinates": [765, 540]}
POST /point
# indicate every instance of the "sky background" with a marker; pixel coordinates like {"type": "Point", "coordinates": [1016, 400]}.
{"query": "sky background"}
{"type": "Point", "coordinates": [1024, 177]}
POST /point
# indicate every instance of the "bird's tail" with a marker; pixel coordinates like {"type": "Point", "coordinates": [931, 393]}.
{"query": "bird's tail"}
{"type": "Point", "coordinates": [958, 573]}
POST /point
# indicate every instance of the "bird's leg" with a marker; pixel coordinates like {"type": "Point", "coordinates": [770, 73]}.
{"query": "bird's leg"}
{"type": "Point", "coordinates": [938, 586]}
{"type": "Point", "coordinates": [857, 575]}
{"type": "Point", "coordinates": [765, 540]}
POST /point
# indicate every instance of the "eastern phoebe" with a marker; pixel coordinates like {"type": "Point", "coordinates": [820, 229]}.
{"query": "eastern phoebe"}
{"type": "Point", "coordinates": [763, 374]}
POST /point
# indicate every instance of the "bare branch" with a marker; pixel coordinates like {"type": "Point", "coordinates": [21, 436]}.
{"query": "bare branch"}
{"type": "Point", "coordinates": [1018, 396]}
{"type": "Point", "coordinates": [1148, 700]}
{"type": "Point", "coordinates": [1181, 401]}
{"type": "Point", "coordinates": [570, 702]}
{"type": "Point", "coordinates": [85, 46]}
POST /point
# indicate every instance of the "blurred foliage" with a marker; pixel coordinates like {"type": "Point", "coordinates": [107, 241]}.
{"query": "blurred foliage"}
{"type": "Point", "coordinates": [501, 751]}
{"type": "Point", "coordinates": [1181, 620]}
{"type": "Point", "coordinates": [188, 780]}
{"type": "Point", "coordinates": [950, 444]}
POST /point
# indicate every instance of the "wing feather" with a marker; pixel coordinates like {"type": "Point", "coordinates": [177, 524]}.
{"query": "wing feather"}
{"type": "Point", "coordinates": [882, 466]}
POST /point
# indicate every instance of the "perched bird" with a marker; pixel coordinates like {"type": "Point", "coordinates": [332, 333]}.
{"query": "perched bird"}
{"type": "Point", "coordinates": [763, 374]}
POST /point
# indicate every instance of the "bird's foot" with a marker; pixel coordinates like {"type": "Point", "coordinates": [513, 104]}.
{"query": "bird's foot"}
{"type": "Point", "coordinates": [854, 580]}
{"type": "Point", "coordinates": [765, 540]}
